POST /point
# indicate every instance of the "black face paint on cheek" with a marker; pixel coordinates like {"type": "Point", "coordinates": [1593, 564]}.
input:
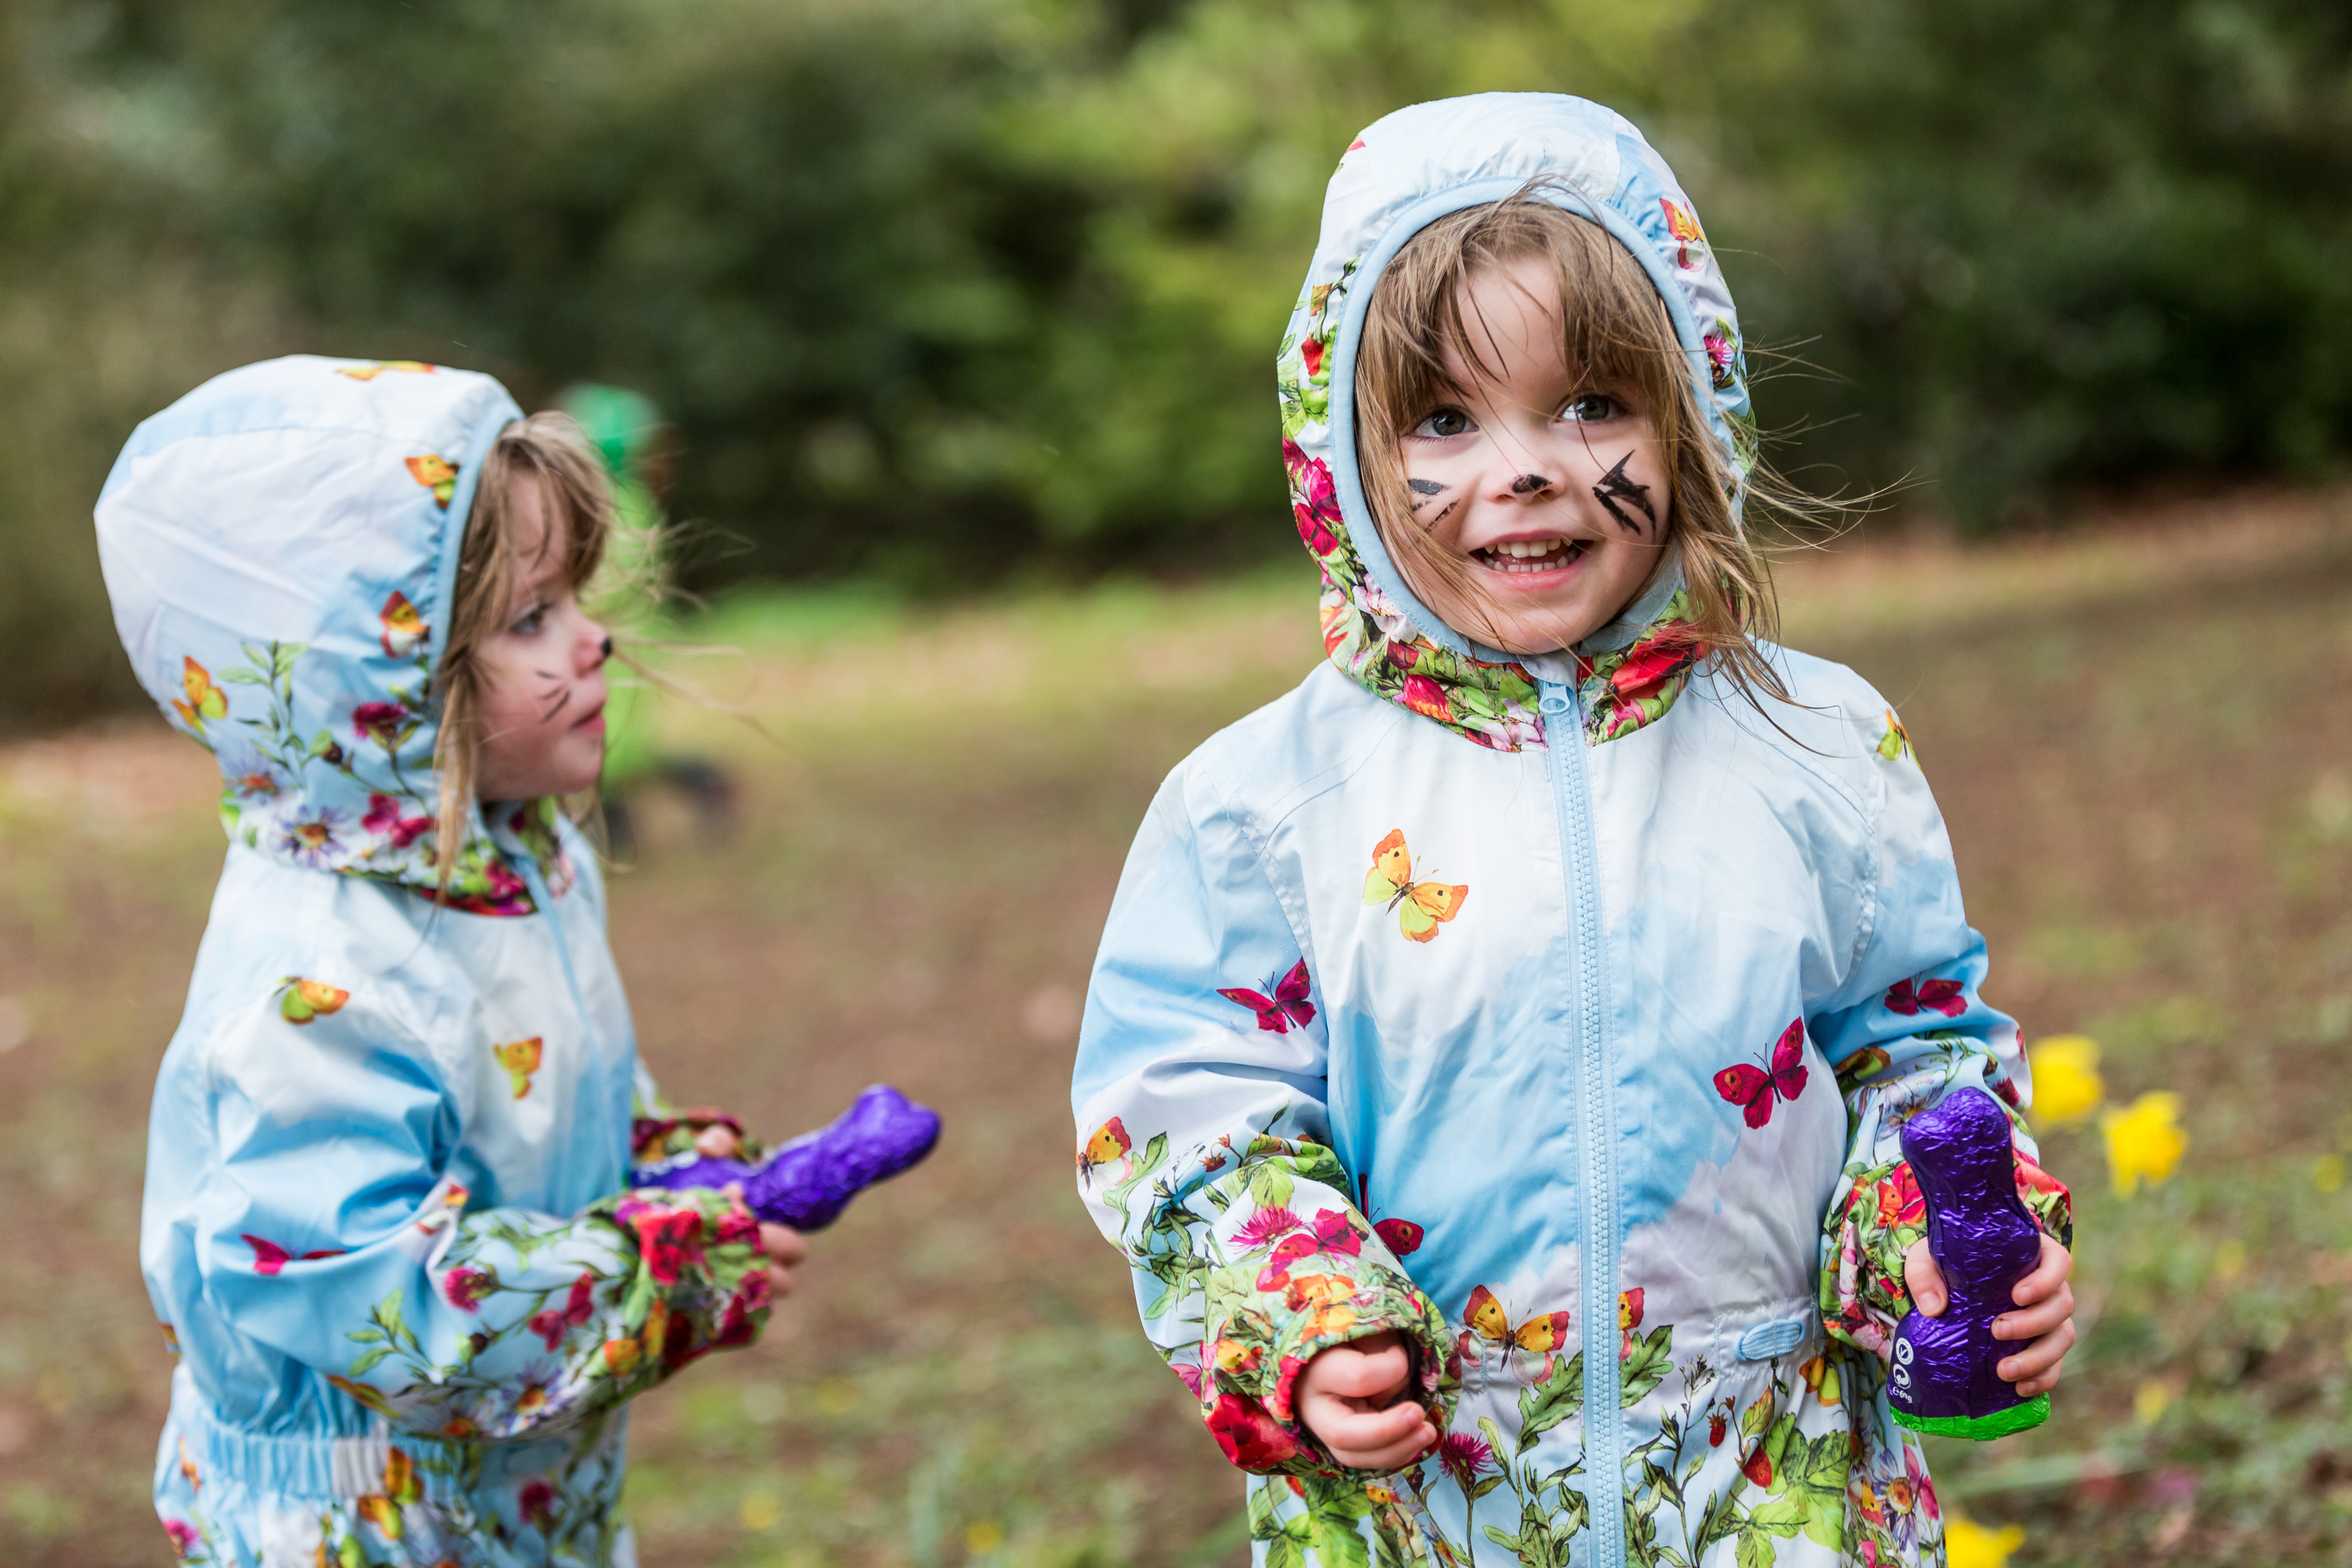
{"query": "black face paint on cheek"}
{"type": "Point", "coordinates": [1424, 492]}
{"type": "Point", "coordinates": [1614, 484]}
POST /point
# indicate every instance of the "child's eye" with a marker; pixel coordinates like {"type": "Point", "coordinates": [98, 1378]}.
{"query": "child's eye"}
{"type": "Point", "coordinates": [1444, 423]}
{"type": "Point", "coordinates": [530, 622]}
{"type": "Point", "coordinates": [1591, 408]}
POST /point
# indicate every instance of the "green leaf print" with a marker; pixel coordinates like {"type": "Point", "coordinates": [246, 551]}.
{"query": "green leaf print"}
{"type": "Point", "coordinates": [1154, 1155]}
{"type": "Point", "coordinates": [1271, 1187]}
{"type": "Point", "coordinates": [1647, 1367]}
{"type": "Point", "coordinates": [1555, 1399]}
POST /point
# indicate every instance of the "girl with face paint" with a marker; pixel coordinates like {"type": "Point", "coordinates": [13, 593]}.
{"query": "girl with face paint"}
{"type": "Point", "coordinates": [1495, 1064]}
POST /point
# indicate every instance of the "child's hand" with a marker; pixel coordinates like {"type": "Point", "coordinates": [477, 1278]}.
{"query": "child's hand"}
{"type": "Point", "coordinates": [2046, 1316]}
{"type": "Point", "coordinates": [784, 1248]}
{"type": "Point", "coordinates": [718, 1141]}
{"type": "Point", "coordinates": [1348, 1397]}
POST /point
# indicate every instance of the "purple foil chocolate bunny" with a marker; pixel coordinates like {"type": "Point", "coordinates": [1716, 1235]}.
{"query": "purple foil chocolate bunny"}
{"type": "Point", "coordinates": [1984, 1241]}
{"type": "Point", "coordinates": [807, 1183]}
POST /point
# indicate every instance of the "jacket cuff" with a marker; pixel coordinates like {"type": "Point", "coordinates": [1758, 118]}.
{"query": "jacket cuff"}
{"type": "Point", "coordinates": [1863, 1296]}
{"type": "Point", "coordinates": [1305, 1286]}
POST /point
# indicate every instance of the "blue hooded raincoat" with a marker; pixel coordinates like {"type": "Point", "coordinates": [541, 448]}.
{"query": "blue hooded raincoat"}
{"type": "Point", "coordinates": [1558, 1012]}
{"type": "Point", "coordinates": [384, 1226]}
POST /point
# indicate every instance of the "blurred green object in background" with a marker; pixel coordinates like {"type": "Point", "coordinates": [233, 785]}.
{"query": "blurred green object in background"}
{"type": "Point", "coordinates": [627, 432]}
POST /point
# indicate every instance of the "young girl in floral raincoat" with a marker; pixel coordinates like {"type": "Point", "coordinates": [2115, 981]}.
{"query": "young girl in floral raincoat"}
{"type": "Point", "coordinates": [1494, 1063]}
{"type": "Point", "coordinates": [386, 1226]}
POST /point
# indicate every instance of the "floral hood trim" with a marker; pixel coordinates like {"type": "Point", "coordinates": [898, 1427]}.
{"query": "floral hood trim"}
{"type": "Point", "coordinates": [1399, 176]}
{"type": "Point", "coordinates": [290, 625]}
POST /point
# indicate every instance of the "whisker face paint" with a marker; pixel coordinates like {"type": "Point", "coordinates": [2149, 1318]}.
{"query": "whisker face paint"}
{"type": "Point", "coordinates": [1612, 486]}
{"type": "Point", "coordinates": [1425, 491]}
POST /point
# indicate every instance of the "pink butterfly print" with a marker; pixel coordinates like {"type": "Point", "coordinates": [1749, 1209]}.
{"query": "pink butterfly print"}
{"type": "Point", "coordinates": [1334, 1234]}
{"type": "Point", "coordinates": [1400, 1236]}
{"type": "Point", "coordinates": [1287, 1005]}
{"type": "Point", "coordinates": [1753, 1089]}
{"type": "Point", "coordinates": [268, 1258]}
{"type": "Point", "coordinates": [1937, 995]}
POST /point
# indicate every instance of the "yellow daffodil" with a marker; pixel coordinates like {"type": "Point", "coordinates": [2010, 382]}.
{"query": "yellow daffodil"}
{"type": "Point", "coordinates": [2067, 1083]}
{"type": "Point", "coordinates": [1967, 1545]}
{"type": "Point", "coordinates": [2143, 1141]}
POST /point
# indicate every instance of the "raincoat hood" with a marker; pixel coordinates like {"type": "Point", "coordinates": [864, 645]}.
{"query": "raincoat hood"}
{"type": "Point", "coordinates": [281, 549]}
{"type": "Point", "coordinates": [1402, 174]}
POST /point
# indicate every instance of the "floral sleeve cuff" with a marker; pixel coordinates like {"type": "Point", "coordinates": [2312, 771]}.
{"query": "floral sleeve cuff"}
{"type": "Point", "coordinates": [1863, 1297]}
{"type": "Point", "coordinates": [1301, 1276]}
{"type": "Point", "coordinates": [655, 1138]}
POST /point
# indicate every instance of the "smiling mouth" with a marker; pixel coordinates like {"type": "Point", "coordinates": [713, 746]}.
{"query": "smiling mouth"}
{"type": "Point", "coordinates": [1520, 556]}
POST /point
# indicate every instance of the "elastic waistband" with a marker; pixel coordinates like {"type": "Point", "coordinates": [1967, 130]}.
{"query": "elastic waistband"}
{"type": "Point", "coordinates": [343, 1469]}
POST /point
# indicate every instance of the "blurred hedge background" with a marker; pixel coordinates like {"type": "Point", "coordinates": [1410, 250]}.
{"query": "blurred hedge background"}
{"type": "Point", "coordinates": [952, 292]}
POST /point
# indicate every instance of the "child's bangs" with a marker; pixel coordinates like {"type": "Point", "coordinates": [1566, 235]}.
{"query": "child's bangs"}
{"type": "Point", "coordinates": [1615, 333]}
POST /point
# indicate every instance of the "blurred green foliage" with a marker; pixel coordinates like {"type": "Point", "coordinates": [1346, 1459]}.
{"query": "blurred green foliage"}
{"type": "Point", "coordinates": [944, 291]}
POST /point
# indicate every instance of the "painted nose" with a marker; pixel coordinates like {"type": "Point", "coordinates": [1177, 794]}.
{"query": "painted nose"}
{"type": "Point", "coordinates": [1529, 484]}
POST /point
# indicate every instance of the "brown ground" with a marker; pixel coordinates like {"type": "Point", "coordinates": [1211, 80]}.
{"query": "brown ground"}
{"type": "Point", "coordinates": [2142, 737]}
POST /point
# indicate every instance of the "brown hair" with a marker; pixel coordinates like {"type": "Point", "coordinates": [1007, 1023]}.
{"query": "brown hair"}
{"type": "Point", "coordinates": [551, 450]}
{"type": "Point", "coordinates": [1618, 337]}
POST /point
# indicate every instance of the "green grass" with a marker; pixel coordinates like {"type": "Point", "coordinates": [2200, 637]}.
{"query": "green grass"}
{"type": "Point", "coordinates": [2143, 741]}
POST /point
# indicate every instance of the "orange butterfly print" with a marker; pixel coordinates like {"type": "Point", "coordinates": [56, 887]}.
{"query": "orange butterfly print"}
{"type": "Point", "coordinates": [1541, 1334]}
{"type": "Point", "coordinates": [1109, 1142]}
{"type": "Point", "coordinates": [1683, 224]}
{"type": "Point", "coordinates": [204, 702]}
{"type": "Point", "coordinates": [299, 1001]}
{"type": "Point", "coordinates": [404, 628]}
{"type": "Point", "coordinates": [1421, 906]}
{"type": "Point", "coordinates": [520, 1059]}
{"type": "Point", "coordinates": [436, 474]}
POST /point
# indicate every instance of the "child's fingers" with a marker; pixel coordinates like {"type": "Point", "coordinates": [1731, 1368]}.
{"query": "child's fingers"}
{"type": "Point", "coordinates": [2039, 1359]}
{"type": "Point", "coordinates": [1370, 1439]}
{"type": "Point", "coordinates": [2049, 1275]}
{"type": "Point", "coordinates": [2042, 1383]}
{"type": "Point", "coordinates": [1366, 1370]}
{"type": "Point", "coordinates": [1924, 1280]}
{"type": "Point", "coordinates": [782, 1245]}
{"type": "Point", "coordinates": [717, 1141]}
{"type": "Point", "coordinates": [780, 1279]}
{"type": "Point", "coordinates": [2040, 1319]}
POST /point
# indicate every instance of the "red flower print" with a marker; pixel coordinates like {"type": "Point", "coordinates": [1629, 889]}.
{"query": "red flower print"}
{"type": "Point", "coordinates": [1425, 696]}
{"type": "Point", "coordinates": [1250, 1438]}
{"type": "Point", "coordinates": [1403, 654]}
{"type": "Point", "coordinates": [1291, 1249]}
{"type": "Point", "coordinates": [1899, 1199]}
{"type": "Point", "coordinates": [1465, 1457]}
{"type": "Point", "coordinates": [2031, 1178]}
{"type": "Point", "coordinates": [1310, 353]}
{"type": "Point", "coordinates": [577, 1308]}
{"type": "Point", "coordinates": [669, 1239]}
{"type": "Point", "coordinates": [536, 1503]}
{"type": "Point", "coordinates": [1313, 503]}
{"type": "Point", "coordinates": [1653, 661]}
{"type": "Point", "coordinates": [379, 721]}
{"type": "Point", "coordinates": [739, 1223]}
{"type": "Point", "coordinates": [467, 1287]}
{"type": "Point", "coordinates": [1934, 996]}
{"type": "Point", "coordinates": [1400, 1236]}
{"type": "Point", "coordinates": [1263, 1226]}
{"type": "Point", "coordinates": [1286, 1383]}
{"type": "Point", "coordinates": [185, 1536]}
{"type": "Point", "coordinates": [383, 816]}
